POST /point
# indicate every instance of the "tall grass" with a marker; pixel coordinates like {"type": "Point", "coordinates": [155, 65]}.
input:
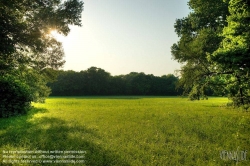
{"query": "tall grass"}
{"type": "Point", "coordinates": [132, 130]}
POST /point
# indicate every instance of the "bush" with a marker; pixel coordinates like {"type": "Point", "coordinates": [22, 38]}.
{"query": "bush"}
{"type": "Point", "coordinates": [241, 101]}
{"type": "Point", "coordinates": [15, 98]}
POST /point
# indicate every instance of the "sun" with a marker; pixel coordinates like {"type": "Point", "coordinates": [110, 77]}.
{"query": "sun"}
{"type": "Point", "coordinates": [55, 34]}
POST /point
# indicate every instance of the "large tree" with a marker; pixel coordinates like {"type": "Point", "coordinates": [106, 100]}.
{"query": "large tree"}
{"type": "Point", "coordinates": [199, 36]}
{"type": "Point", "coordinates": [233, 56]}
{"type": "Point", "coordinates": [27, 50]}
{"type": "Point", "coordinates": [214, 49]}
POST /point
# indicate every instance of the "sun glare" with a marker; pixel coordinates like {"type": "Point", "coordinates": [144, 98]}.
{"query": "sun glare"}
{"type": "Point", "coordinates": [54, 33]}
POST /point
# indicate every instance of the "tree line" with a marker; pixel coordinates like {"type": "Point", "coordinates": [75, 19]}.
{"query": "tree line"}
{"type": "Point", "coordinates": [96, 81]}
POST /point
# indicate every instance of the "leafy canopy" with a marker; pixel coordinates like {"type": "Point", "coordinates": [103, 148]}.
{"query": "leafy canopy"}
{"type": "Point", "coordinates": [214, 49]}
{"type": "Point", "coordinates": [28, 52]}
{"type": "Point", "coordinates": [25, 27]}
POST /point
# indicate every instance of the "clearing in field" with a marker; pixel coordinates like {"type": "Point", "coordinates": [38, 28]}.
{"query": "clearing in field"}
{"type": "Point", "coordinates": [128, 131]}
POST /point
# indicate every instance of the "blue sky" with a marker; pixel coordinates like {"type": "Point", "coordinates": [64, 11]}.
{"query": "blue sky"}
{"type": "Point", "coordinates": [121, 36]}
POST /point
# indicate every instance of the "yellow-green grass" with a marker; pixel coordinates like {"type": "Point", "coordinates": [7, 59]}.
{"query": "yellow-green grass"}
{"type": "Point", "coordinates": [132, 130]}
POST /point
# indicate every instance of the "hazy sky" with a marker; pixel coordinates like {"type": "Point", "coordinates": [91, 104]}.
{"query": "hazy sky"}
{"type": "Point", "coordinates": [121, 36]}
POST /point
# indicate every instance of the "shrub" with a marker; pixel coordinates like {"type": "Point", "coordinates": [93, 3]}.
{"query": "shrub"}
{"type": "Point", "coordinates": [15, 98]}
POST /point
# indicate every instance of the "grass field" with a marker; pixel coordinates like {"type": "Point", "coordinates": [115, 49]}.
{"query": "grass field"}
{"type": "Point", "coordinates": [131, 130]}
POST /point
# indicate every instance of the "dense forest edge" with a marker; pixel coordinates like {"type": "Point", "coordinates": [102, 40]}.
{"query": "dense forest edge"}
{"type": "Point", "coordinates": [96, 81]}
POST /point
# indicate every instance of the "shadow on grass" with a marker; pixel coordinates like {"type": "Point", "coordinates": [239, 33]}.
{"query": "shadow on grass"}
{"type": "Point", "coordinates": [50, 134]}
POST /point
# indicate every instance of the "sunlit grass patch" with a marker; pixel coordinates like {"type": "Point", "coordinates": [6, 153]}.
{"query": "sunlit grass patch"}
{"type": "Point", "coordinates": [132, 130]}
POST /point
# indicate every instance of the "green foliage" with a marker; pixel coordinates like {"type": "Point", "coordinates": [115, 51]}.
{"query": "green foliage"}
{"type": "Point", "coordinates": [233, 55]}
{"type": "Point", "coordinates": [199, 36]}
{"type": "Point", "coordinates": [25, 24]}
{"type": "Point", "coordinates": [15, 98]}
{"type": "Point", "coordinates": [37, 82]}
{"type": "Point", "coordinates": [28, 52]}
{"type": "Point", "coordinates": [214, 49]}
{"type": "Point", "coordinates": [25, 32]}
{"type": "Point", "coordinates": [96, 81]}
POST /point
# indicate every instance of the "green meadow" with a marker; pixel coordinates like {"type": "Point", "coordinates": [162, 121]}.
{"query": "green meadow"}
{"type": "Point", "coordinates": [132, 130]}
